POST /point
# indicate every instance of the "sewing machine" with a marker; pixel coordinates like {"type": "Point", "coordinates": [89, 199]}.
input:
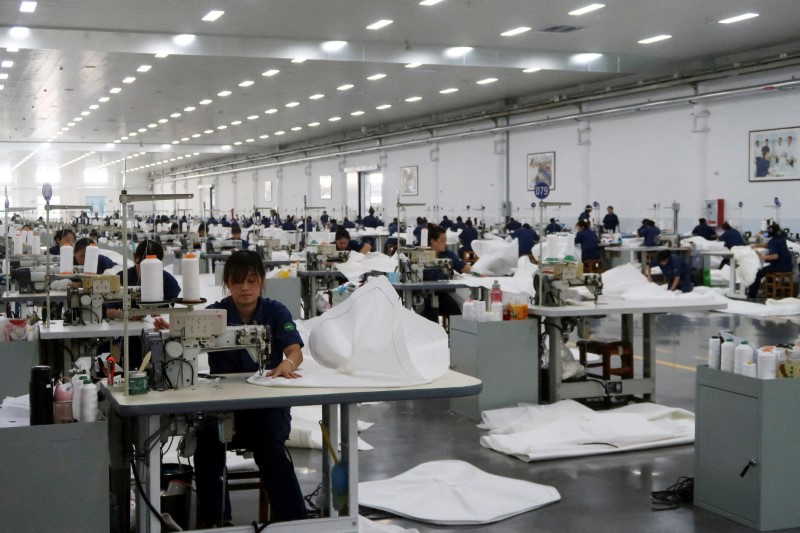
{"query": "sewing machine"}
{"type": "Point", "coordinates": [559, 280]}
{"type": "Point", "coordinates": [324, 254]}
{"type": "Point", "coordinates": [84, 304]}
{"type": "Point", "coordinates": [265, 247]}
{"type": "Point", "coordinates": [231, 244]}
{"type": "Point", "coordinates": [29, 279]}
{"type": "Point", "coordinates": [194, 332]}
{"type": "Point", "coordinates": [420, 259]}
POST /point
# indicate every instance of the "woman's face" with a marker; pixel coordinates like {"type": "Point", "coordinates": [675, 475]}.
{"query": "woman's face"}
{"type": "Point", "coordinates": [343, 243]}
{"type": "Point", "coordinates": [440, 243]}
{"type": "Point", "coordinates": [248, 290]}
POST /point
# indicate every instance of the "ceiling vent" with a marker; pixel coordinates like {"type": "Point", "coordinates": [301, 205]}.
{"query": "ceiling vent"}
{"type": "Point", "coordinates": [560, 29]}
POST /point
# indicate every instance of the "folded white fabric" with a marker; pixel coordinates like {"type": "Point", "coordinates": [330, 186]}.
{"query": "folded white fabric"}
{"type": "Point", "coordinates": [454, 493]}
{"type": "Point", "coordinates": [747, 264]}
{"type": "Point", "coordinates": [365, 525]}
{"type": "Point", "coordinates": [496, 257]}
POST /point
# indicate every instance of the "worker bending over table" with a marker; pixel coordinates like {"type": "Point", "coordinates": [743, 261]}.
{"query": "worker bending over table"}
{"type": "Point", "coordinates": [63, 237]}
{"type": "Point", "coordinates": [676, 271]}
{"type": "Point", "coordinates": [587, 239]}
{"type": "Point", "coordinates": [730, 237]}
{"type": "Point", "coordinates": [343, 243]}
{"type": "Point", "coordinates": [103, 262]}
{"type": "Point", "coordinates": [437, 238]}
{"type": "Point", "coordinates": [778, 258]}
{"type": "Point", "coordinates": [264, 431]}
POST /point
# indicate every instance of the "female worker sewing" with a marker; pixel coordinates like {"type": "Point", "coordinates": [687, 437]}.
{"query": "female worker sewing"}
{"type": "Point", "coordinates": [778, 258]}
{"type": "Point", "coordinates": [343, 242]}
{"type": "Point", "coordinates": [447, 305]}
{"type": "Point", "coordinates": [263, 431]}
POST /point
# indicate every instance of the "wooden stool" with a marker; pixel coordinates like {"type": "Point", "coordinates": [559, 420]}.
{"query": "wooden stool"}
{"type": "Point", "coordinates": [605, 349]}
{"type": "Point", "coordinates": [593, 266]}
{"type": "Point", "coordinates": [470, 257]}
{"type": "Point", "coordinates": [779, 285]}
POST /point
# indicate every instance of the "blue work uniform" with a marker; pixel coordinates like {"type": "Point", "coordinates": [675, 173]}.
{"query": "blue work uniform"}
{"type": "Point", "coordinates": [370, 221]}
{"type": "Point", "coordinates": [552, 228]}
{"type": "Point", "coordinates": [466, 237]}
{"type": "Point", "coordinates": [55, 250]}
{"type": "Point", "coordinates": [324, 219]}
{"type": "Point", "coordinates": [104, 263]}
{"type": "Point", "coordinates": [514, 225]}
{"type": "Point", "coordinates": [349, 224]}
{"type": "Point", "coordinates": [460, 226]}
{"type": "Point", "coordinates": [611, 222]}
{"type": "Point", "coordinates": [446, 223]}
{"type": "Point", "coordinates": [526, 238]}
{"type": "Point", "coordinates": [590, 244]}
{"type": "Point", "coordinates": [354, 246]}
{"type": "Point", "coordinates": [705, 231]}
{"type": "Point", "coordinates": [650, 234]}
{"type": "Point", "coordinates": [585, 216]}
{"type": "Point", "coordinates": [392, 228]}
{"type": "Point", "coordinates": [447, 305]}
{"type": "Point", "coordinates": [288, 226]}
{"type": "Point", "coordinates": [731, 238]}
{"type": "Point", "coordinates": [263, 431]}
{"type": "Point", "coordinates": [676, 267]}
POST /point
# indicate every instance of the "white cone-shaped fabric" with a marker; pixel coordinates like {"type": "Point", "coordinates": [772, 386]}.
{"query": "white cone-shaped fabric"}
{"type": "Point", "coordinates": [454, 493]}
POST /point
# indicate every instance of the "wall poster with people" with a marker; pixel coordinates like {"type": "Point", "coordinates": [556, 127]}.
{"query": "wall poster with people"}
{"type": "Point", "coordinates": [409, 184]}
{"type": "Point", "coordinates": [773, 155]}
{"type": "Point", "coordinates": [542, 167]}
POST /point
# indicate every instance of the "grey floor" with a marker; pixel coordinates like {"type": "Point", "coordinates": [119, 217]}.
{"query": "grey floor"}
{"type": "Point", "coordinates": [604, 493]}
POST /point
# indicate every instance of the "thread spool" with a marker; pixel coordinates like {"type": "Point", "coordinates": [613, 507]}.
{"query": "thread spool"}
{"type": "Point", "coordinates": [89, 412]}
{"type": "Point", "coordinates": [767, 365]}
{"type": "Point", "coordinates": [714, 352]}
{"type": "Point", "coordinates": [66, 265]}
{"type": "Point", "coordinates": [423, 237]}
{"type": "Point", "coordinates": [727, 356]}
{"type": "Point", "coordinates": [19, 240]}
{"type": "Point", "coordinates": [749, 369]}
{"type": "Point", "coordinates": [742, 354]}
{"type": "Point", "coordinates": [152, 279]}
{"type": "Point", "coordinates": [36, 243]}
{"type": "Point", "coordinates": [190, 267]}
{"type": "Point", "coordinates": [90, 259]}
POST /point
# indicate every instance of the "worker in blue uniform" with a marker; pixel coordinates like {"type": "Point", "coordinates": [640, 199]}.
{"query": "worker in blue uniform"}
{"type": "Point", "coordinates": [588, 241]}
{"type": "Point", "coordinates": [469, 234]}
{"type": "Point", "coordinates": [236, 234]}
{"type": "Point", "coordinates": [611, 221]}
{"type": "Point", "coordinates": [349, 224]}
{"type": "Point", "coordinates": [650, 232]}
{"type": "Point", "coordinates": [103, 262]}
{"type": "Point", "coordinates": [446, 223]}
{"type": "Point", "coordinates": [447, 306]}
{"type": "Point", "coordinates": [62, 237]}
{"type": "Point", "coordinates": [587, 214]}
{"type": "Point", "coordinates": [677, 272]}
{"type": "Point", "coordinates": [702, 229]}
{"type": "Point", "coordinates": [459, 225]}
{"type": "Point", "coordinates": [730, 237]}
{"type": "Point", "coordinates": [371, 221]}
{"type": "Point", "coordinates": [263, 431]}
{"type": "Point", "coordinates": [343, 242]}
{"type": "Point", "coordinates": [552, 227]}
{"type": "Point", "coordinates": [288, 224]}
{"type": "Point", "coordinates": [512, 225]}
{"type": "Point", "coordinates": [421, 224]}
{"type": "Point", "coordinates": [526, 237]}
{"type": "Point", "coordinates": [778, 258]}
{"type": "Point", "coordinates": [324, 218]}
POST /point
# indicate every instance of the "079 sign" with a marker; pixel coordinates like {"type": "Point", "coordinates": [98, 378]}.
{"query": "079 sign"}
{"type": "Point", "coordinates": [541, 190]}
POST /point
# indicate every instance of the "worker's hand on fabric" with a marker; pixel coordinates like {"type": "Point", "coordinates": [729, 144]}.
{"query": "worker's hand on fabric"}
{"type": "Point", "coordinates": [160, 324]}
{"type": "Point", "coordinates": [284, 370]}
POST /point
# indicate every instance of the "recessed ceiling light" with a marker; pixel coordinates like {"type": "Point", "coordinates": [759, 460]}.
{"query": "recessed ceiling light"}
{"type": "Point", "coordinates": [486, 81]}
{"type": "Point", "coordinates": [252, 117]}
{"type": "Point", "coordinates": [585, 58]}
{"type": "Point", "coordinates": [249, 140]}
{"type": "Point", "coordinates": [208, 131]}
{"type": "Point", "coordinates": [271, 111]}
{"type": "Point", "coordinates": [224, 93]}
{"type": "Point", "coordinates": [184, 139]}
{"type": "Point", "coordinates": [378, 76]}
{"type": "Point", "coordinates": [196, 135]}
{"type": "Point", "coordinates": [270, 72]}
{"type": "Point", "coordinates": [586, 9]}
{"type": "Point", "coordinates": [183, 39]}
{"type": "Point", "coordinates": [76, 119]}
{"type": "Point", "coordinates": [292, 104]}
{"type": "Point", "coordinates": [384, 106]}
{"type": "Point", "coordinates": [124, 138]}
{"type": "Point", "coordinates": [334, 119]}
{"type": "Point", "coordinates": [163, 120]}
{"type": "Point", "coordinates": [222, 127]}
{"type": "Point", "coordinates": [152, 125]}
{"type": "Point", "coordinates": [189, 109]}
{"type": "Point", "coordinates": [532, 69]}
{"type": "Point", "coordinates": [94, 106]}
{"type": "Point", "coordinates": [413, 99]}
{"type": "Point", "coordinates": [86, 113]}
{"type": "Point", "coordinates": [333, 46]}
{"type": "Point", "coordinates": [115, 90]}
{"type": "Point", "coordinates": [655, 39]}
{"type": "Point", "coordinates": [429, 2]}
{"type": "Point", "coordinates": [345, 87]}
{"type": "Point", "coordinates": [27, 7]}
{"type": "Point", "coordinates": [279, 132]}
{"type": "Point", "coordinates": [357, 113]}
{"type": "Point", "coordinates": [297, 128]}
{"type": "Point", "coordinates": [379, 24]}
{"type": "Point", "coordinates": [237, 143]}
{"type": "Point", "coordinates": [265, 136]}
{"type": "Point", "coordinates": [457, 51]}
{"type": "Point", "coordinates": [117, 141]}
{"type": "Point", "coordinates": [129, 79]}
{"type": "Point", "coordinates": [12, 49]}
{"type": "Point", "coordinates": [161, 55]}
{"type": "Point", "coordinates": [316, 96]}
{"type": "Point", "coordinates": [313, 124]}
{"type": "Point", "coordinates": [103, 99]}
{"type": "Point", "coordinates": [19, 32]}
{"type": "Point", "coordinates": [144, 68]}
{"type": "Point", "coordinates": [4, 76]}
{"type": "Point", "coordinates": [132, 134]}
{"type": "Point", "coordinates": [205, 102]}
{"type": "Point", "coordinates": [413, 65]}
{"type": "Point", "coordinates": [299, 60]}
{"type": "Point", "coordinates": [236, 122]}
{"type": "Point", "coordinates": [174, 142]}
{"type": "Point", "coordinates": [7, 63]}
{"type": "Point", "coordinates": [738, 18]}
{"type": "Point", "coordinates": [246, 83]}
{"type": "Point", "coordinates": [448, 91]}
{"type": "Point", "coordinates": [213, 15]}
{"type": "Point", "coordinates": [515, 31]}
{"type": "Point", "coordinates": [175, 115]}
{"type": "Point", "coordinates": [142, 130]}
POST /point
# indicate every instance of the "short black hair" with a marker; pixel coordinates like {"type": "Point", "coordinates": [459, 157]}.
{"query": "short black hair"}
{"type": "Point", "coordinates": [434, 232]}
{"type": "Point", "coordinates": [726, 226]}
{"type": "Point", "coordinates": [775, 230]}
{"type": "Point", "coordinates": [201, 227]}
{"type": "Point", "coordinates": [148, 247]}
{"type": "Point", "coordinates": [663, 255]}
{"type": "Point", "coordinates": [81, 244]}
{"type": "Point", "coordinates": [469, 222]}
{"type": "Point", "coordinates": [342, 233]}
{"type": "Point", "coordinates": [236, 229]}
{"type": "Point", "coordinates": [174, 226]}
{"type": "Point", "coordinates": [703, 221]}
{"type": "Point", "coordinates": [241, 264]}
{"type": "Point", "coordinates": [583, 224]}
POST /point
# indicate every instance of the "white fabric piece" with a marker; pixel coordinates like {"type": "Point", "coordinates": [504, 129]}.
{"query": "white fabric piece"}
{"type": "Point", "coordinates": [370, 340]}
{"type": "Point", "coordinates": [702, 244]}
{"type": "Point", "coordinates": [515, 285]}
{"type": "Point", "coordinates": [359, 264]}
{"type": "Point", "coordinates": [747, 264]}
{"type": "Point", "coordinates": [452, 236]}
{"type": "Point", "coordinates": [365, 525]}
{"type": "Point", "coordinates": [454, 493]}
{"type": "Point", "coordinates": [307, 434]}
{"type": "Point", "coordinates": [320, 237]}
{"type": "Point", "coordinates": [15, 412]}
{"type": "Point", "coordinates": [556, 245]}
{"type": "Point", "coordinates": [495, 258]}
{"type": "Point", "coordinates": [568, 429]}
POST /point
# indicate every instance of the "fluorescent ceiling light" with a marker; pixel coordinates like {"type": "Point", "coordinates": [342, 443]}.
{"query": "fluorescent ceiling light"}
{"type": "Point", "coordinates": [270, 72]}
{"type": "Point", "coordinates": [152, 125]}
{"type": "Point", "coordinates": [357, 113]}
{"type": "Point", "coordinates": [299, 60]}
{"type": "Point", "coordinates": [208, 131]}
{"type": "Point", "coordinates": [94, 106]}
{"type": "Point", "coordinates": [125, 138]}
{"type": "Point", "coordinates": [515, 31]}
{"type": "Point", "coordinates": [271, 111]}
{"type": "Point", "coordinates": [246, 83]}
{"type": "Point", "coordinates": [7, 63]}
{"type": "Point", "coordinates": [163, 120]}
{"type": "Point", "coordinates": [12, 49]}
{"type": "Point", "coordinates": [132, 134]}
{"type": "Point", "coordinates": [334, 119]}
{"type": "Point", "coordinates": [115, 90]}
{"type": "Point", "coordinates": [117, 141]}
{"type": "Point", "coordinates": [532, 69]}
{"type": "Point", "coordinates": [144, 68]}
{"type": "Point", "coordinates": [4, 76]}
{"type": "Point", "coordinates": [222, 127]}
{"type": "Point", "coordinates": [142, 130]}
{"type": "Point", "coordinates": [297, 128]}
{"type": "Point", "coordinates": [429, 2]}
{"type": "Point", "coordinates": [448, 91]}
{"type": "Point", "coordinates": [103, 99]}
{"type": "Point", "coordinates": [413, 65]}
{"type": "Point", "coordinates": [226, 146]}
{"type": "Point", "coordinates": [345, 87]}
{"type": "Point", "coordinates": [333, 46]}
{"type": "Point", "coordinates": [74, 120]}
{"type": "Point", "coordinates": [414, 99]}
{"type": "Point", "coordinates": [252, 117]}
{"type": "Point", "coordinates": [224, 93]}
{"type": "Point", "coordinates": [738, 18]}
{"type": "Point", "coordinates": [174, 142]}
{"type": "Point", "coordinates": [27, 7]}
{"type": "Point", "coordinates": [237, 143]}
{"type": "Point", "coordinates": [316, 96]}
{"type": "Point", "coordinates": [265, 136]}
{"type": "Point", "coordinates": [379, 24]}
{"type": "Point", "coordinates": [457, 51]}
{"type": "Point", "coordinates": [19, 32]}
{"type": "Point", "coordinates": [183, 39]}
{"type": "Point", "coordinates": [292, 104]}
{"type": "Point", "coordinates": [585, 58]}
{"type": "Point", "coordinates": [486, 81]}
{"type": "Point", "coordinates": [236, 122]}
{"type": "Point", "coordinates": [280, 132]}
{"type": "Point", "coordinates": [655, 39]}
{"type": "Point", "coordinates": [184, 139]}
{"type": "Point", "coordinates": [213, 15]}
{"type": "Point", "coordinates": [175, 115]}
{"type": "Point", "coordinates": [129, 79]}
{"type": "Point", "coordinates": [384, 106]}
{"type": "Point", "coordinates": [378, 76]}
{"type": "Point", "coordinates": [189, 109]}
{"type": "Point", "coordinates": [587, 9]}
{"type": "Point", "coordinates": [196, 135]}
{"type": "Point", "coordinates": [313, 124]}
{"type": "Point", "coordinates": [205, 102]}
{"type": "Point", "coordinates": [161, 55]}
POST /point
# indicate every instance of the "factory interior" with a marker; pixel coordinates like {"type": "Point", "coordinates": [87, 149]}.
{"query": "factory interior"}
{"type": "Point", "coordinates": [399, 265]}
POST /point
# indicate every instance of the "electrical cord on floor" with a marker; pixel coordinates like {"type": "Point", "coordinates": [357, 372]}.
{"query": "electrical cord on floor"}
{"type": "Point", "coordinates": [672, 497]}
{"type": "Point", "coordinates": [164, 525]}
{"type": "Point", "coordinates": [312, 511]}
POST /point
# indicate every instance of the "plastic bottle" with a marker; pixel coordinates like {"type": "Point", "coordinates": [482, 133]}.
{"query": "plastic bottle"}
{"type": "Point", "coordinates": [62, 401]}
{"type": "Point", "coordinates": [507, 312]}
{"type": "Point", "coordinates": [742, 354]}
{"type": "Point", "coordinates": [496, 294]}
{"type": "Point", "coordinates": [152, 279]}
{"type": "Point", "coordinates": [727, 356]}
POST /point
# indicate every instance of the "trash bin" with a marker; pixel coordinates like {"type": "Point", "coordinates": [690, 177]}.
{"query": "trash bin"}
{"type": "Point", "coordinates": [176, 492]}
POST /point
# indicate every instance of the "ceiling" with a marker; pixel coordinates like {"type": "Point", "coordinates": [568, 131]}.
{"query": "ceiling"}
{"type": "Point", "coordinates": [78, 52]}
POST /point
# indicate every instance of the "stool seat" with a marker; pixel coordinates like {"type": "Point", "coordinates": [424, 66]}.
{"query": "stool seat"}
{"type": "Point", "coordinates": [606, 348]}
{"type": "Point", "coordinates": [593, 266]}
{"type": "Point", "coordinates": [779, 285]}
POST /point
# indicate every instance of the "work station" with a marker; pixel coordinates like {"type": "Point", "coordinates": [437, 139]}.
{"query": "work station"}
{"type": "Point", "coordinates": [393, 266]}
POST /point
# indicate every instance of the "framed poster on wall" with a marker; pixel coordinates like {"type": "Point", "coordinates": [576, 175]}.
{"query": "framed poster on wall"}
{"type": "Point", "coordinates": [773, 155]}
{"type": "Point", "coordinates": [325, 187]}
{"type": "Point", "coordinates": [542, 167]}
{"type": "Point", "coordinates": [409, 181]}
{"type": "Point", "coordinates": [268, 191]}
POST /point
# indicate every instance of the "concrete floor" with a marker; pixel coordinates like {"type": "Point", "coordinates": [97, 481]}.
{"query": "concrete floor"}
{"type": "Point", "coordinates": [599, 494]}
